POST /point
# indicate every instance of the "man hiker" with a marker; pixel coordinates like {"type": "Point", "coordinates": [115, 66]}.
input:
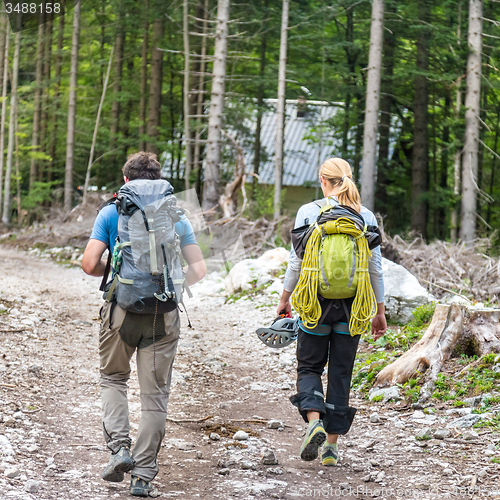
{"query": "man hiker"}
{"type": "Point", "coordinates": [152, 336]}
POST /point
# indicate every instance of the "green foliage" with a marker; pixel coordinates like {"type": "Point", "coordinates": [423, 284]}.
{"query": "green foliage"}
{"type": "Point", "coordinates": [263, 201]}
{"type": "Point", "coordinates": [423, 314]}
{"type": "Point", "coordinates": [411, 390]}
{"type": "Point", "coordinates": [40, 193]}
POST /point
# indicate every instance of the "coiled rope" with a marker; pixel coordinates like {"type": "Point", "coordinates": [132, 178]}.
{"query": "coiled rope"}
{"type": "Point", "coordinates": [305, 297]}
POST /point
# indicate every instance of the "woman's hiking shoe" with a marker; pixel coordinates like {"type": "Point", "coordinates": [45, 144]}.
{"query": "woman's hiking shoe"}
{"type": "Point", "coordinates": [315, 437]}
{"type": "Point", "coordinates": [330, 454]}
{"type": "Point", "coordinates": [119, 463]}
{"type": "Point", "coordinates": [139, 487]}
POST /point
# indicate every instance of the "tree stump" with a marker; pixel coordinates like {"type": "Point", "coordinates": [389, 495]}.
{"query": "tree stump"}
{"type": "Point", "coordinates": [454, 330]}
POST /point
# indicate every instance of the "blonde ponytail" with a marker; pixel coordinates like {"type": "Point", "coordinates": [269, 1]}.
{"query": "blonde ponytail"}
{"type": "Point", "coordinates": [338, 173]}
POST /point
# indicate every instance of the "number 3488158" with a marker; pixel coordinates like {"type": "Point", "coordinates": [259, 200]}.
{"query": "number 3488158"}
{"type": "Point", "coordinates": [33, 8]}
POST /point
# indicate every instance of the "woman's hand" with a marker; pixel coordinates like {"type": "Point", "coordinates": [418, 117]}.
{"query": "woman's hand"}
{"type": "Point", "coordinates": [379, 323]}
{"type": "Point", "coordinates": [284, 304]}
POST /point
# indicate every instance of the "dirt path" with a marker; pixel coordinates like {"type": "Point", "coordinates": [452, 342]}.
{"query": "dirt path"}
{"type": "Point", "coordinates": [50, 434]}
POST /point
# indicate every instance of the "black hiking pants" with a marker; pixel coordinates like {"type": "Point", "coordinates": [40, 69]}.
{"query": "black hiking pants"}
{"type": "Point", "coordinates": [329, 342]}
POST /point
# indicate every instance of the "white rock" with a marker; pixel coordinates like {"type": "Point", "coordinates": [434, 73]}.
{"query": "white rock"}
{"type": "Point", "coordinates": [468, 435]}
{"type": "Point", "coordinates": [268, 457]}
{"type": "Point", "coordinates": [465, 421]}
{"type": "Point", "coordinates": [418, 414]}
{"type": "Point", "coordinates": [403, 292]}
{"type": "Point", "coordinates": [5, 445]}
{"type": "Point", "coordinates": [275, 258]}
{"type": "Point", "coordinates": [276, 287]}
{"type": "Point", "coordinates": [375, 418]}
{"type": "Point", "coordinates": [274, 424]}
{"type": "Point", "coordinates": [387, 394]}
{"type": "Point", "coordinates": [243, 275]}
{"type": "Point", "coordinates": [12, 473]}
{"type": "Point", "coordinates": [214, 436]}
{"type": "Point", "coordinates": [240, 436]}
{"type": "Point", "coordinates": [442, 434]}
{"type": "Point", "coordinates": [31, 486]}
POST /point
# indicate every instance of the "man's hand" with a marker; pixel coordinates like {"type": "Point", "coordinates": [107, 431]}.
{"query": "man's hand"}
{"type": "Point", "coordinates": [379, 323]}
{"type": "Point", "coordinates": [284, 304]}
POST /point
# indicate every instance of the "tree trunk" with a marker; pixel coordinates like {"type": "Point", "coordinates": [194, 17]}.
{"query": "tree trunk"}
{"type": "Point", "coordinates": [117, 84]}
{"type": "Point", "coordinates": [96, 128]}
{"type": "Point", "coordinates": [35, 138]}
{"type": "Point", "coordinates": [211, 182]}
{"type": "Point", "coordinates": [144, 80]}
{"type": "Point", "coordinates": [228, 201]}
{"type": "Point", "coordinates": [201, 95]}
{"type": "Point", "coordinates": [12, 126]}
{"type": "Point", "coordinates": [472, 105]}
{"type": "Point", "coordinates": [44, 119]}
{"type": "Point", "coordinates": [369, 173]}
{"type": "Point", "coordinates": [155, 86]}
{"type": "Point", "coordinates": [420, 140]}
{"type": "Point", "coordinates": [187, 97]}
{"type": "Point", "coordinates": [56, 103]}
{"type": "Point", "coordinates": [70, 140]}
{"type": "Point", "coordinates": [453, 329]}
{"type": "Point", "coordinates": [117, 87]}
{"type": "Point", "coordinates": [128, 114]}
{"type": "Point", "coordinates": [260, 96]}
{"type": "Point", "coordinates": [358, 140]}
{"type": "Point", "coordinates": [493, 166]}
{"type": "Point", "coordinates": [18, 178]}
{"type": "Point", "coordinates": [350, 80]}
{"type": "Point", "coordinates": [443, 181]}
{"type": "Point", "coordinates": [385, 117]}
{"type": "Point", "coordinates": [280, 114]}
{"type": "Point", "coordinates": [4, 34]}
{"type": "Point", "coordinates": [458, 153]}
{"type": "Point", "coordinates": [5, 59]}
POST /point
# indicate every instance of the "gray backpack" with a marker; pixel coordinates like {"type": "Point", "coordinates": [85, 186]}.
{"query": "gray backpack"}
{"type": "Point", "coordinates": [146, 261]}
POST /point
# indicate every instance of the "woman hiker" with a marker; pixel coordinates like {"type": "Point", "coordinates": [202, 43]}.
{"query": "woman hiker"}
{"type": "Point", "coordinates": [330, 341]}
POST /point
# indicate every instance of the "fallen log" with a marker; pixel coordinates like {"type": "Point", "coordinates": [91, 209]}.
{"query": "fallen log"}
{"type": "Point", "coordinates": [454, 330]}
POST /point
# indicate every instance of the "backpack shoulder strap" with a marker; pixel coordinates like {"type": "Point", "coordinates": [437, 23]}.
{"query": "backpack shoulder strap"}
{"type": "Point", "coordinates": [106, 272]}
{"type": "Point", "coordinates": [109, 201]}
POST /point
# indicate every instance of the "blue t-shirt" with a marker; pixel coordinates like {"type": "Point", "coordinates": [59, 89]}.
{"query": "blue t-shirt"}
{"type": "Point", "coordinates": [106, 228]}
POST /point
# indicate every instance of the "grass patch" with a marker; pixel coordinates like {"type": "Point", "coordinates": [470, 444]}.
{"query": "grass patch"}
{"type": "Point", "coordinates": [411, 390]}
{"type": "Point", "coordinates": [252, 292]}
{"type": "Point", "coordinates": [405, 336]}
{"type": "Point", "coordinates": [493, 423]}
{"type": "Point", "coordinates": [477, 379]}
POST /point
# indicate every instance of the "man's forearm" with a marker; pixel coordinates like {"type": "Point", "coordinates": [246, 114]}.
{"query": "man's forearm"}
{"type": "Point", "coordinates": [99, 269]}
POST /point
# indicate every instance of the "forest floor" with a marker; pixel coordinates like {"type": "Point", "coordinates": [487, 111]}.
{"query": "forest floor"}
{"type": "Point", "coordinates": [51, 443]}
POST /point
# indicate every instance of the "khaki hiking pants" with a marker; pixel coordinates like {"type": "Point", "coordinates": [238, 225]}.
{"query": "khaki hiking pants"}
{"type": "Point", "coordinates": [123, 333]}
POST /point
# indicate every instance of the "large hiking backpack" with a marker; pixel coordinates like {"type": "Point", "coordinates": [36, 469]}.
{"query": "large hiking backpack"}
{"type": "Point", "coordinates": [146, 261]}
{"type": "Point", "coordinates": [335, 251]}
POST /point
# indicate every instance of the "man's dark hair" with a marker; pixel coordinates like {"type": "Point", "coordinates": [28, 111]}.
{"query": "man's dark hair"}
{"type": "Point", "coordinates": [142, 165]}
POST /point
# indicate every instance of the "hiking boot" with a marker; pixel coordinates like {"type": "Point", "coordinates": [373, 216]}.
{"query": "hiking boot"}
{"type": "Point", "coordinates": [315, 437]}
{"type": "Point", "coordinates": [139, 487]}
{"type": "Point", "coordinates": [119, 463]}
{"type": "Point", "coordinates": [330, 454]}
